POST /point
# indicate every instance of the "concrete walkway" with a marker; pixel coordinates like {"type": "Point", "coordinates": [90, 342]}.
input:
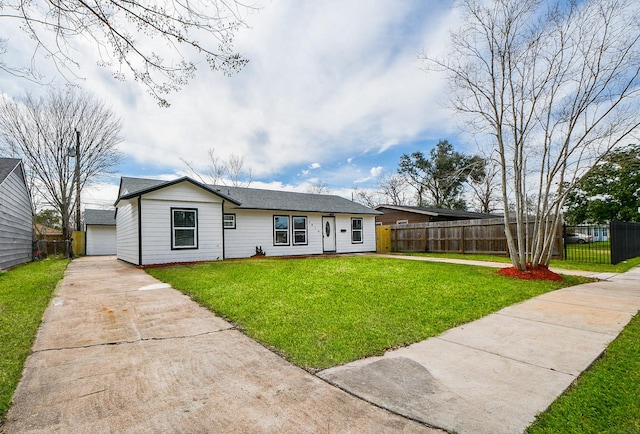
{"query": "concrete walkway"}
{"type": "Point", "coordinates": [120, 352]}
{"type": "Point", "coordinates": [495, 374]}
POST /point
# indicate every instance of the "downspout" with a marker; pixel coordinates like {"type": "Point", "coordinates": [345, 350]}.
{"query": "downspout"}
{"type": "Point", "coordinates": [140, 230]}
{"type": "Point", "coordinates": [223, 231]}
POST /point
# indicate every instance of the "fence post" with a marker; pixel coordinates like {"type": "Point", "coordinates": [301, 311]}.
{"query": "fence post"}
{"type": "Point", "coordinates": [564, 244]}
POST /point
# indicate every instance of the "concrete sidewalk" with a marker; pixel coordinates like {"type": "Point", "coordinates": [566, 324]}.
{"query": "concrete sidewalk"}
{"type": "Point", "coordinates": [495, 374]}
{"type": "Point", "coordinates": [120, 352]}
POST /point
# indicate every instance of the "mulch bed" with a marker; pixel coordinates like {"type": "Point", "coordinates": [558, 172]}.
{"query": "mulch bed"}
{"type": "Point", "coordinates": [540, 273]}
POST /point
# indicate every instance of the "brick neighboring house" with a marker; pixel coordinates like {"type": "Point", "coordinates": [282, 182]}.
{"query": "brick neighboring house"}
{"type": "Point", "coordinates": [398, 215]}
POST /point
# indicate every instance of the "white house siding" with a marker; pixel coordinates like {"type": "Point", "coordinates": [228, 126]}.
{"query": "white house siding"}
{"type": "Point", "coordinates": [343, 239]}
{"type": "Point", "coordinates": [16, 236]}
{"type": "Point", "coordinates": [254, 228]}
{"type": "Point", "coordinates": [101, 240]}
{"type": "Point", "coordinates": [156, 224]}
{"type": "Point", "coordinates": [127, 231]}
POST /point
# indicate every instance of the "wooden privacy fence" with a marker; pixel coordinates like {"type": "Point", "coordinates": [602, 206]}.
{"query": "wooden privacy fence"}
{"type": "Point", "coordinates": [484, 236]}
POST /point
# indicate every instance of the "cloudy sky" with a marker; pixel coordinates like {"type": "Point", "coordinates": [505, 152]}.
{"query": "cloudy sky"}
{"type": "Point", "coordinates": [334, 92]}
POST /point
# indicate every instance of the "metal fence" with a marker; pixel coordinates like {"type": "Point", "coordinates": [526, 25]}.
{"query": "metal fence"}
{"type": "Point", "coordinates": [44, 248]}
{"type": "Point", "coordinates": [625, 241]}
{"type": "Point", "coordinates": [602, 244]}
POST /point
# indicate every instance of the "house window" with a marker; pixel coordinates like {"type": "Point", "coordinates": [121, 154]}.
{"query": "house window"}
{"type": "Point", "coordinates": [356, 230]}
{"type": "Point", "coordinates": [299, 230]}
{"type": "Point", "coordinates": [281, 230]}
{"type": "Point", "coordinates": [402, 222]}
{"type": "Point", "coordinates": [229, 221]}
{"type": "Point", "coordinates": [184, 228]}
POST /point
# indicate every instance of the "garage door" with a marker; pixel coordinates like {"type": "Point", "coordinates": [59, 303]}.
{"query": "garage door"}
{"type": "Point", "coordinates": [101, 240]}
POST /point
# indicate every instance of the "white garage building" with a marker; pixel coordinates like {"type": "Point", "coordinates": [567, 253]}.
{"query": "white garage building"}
{"type": "Point", "coordinates": [100, 227]}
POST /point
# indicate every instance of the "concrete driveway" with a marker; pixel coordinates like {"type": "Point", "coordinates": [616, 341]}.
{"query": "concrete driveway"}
{"type": "Point", "coordinates": [120, 352]}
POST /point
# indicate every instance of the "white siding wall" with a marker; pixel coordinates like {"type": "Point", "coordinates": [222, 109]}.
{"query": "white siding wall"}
{"type": "Point", "coordinates": [127, 231]}
{"type": "Point", "coordinates": [101, 240]}
{"type": "Point", "coordinates": [343, 239]}
{"type": "Point", "coordinates": [255, 228]}
{"type": "Point", "coordinates": [16, 219]}
{"type": "Point", "coordinates": [156, 225]}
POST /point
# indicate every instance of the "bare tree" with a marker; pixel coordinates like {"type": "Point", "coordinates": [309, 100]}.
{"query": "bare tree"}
{"type": "Point", "coordinates": [319, 187]}
{"type": "Point", "coordinates": [554, 86]}
{"type": "Point", "coordinates": [485, 187]}
{"type": "Point", "coordinates": [366, 197]}
{"type": "Point", "coordinates": [393, 189]}
{"type": "Point", "coordinates": [223, 172]}
{"type": "Point", "coordinates": [41, 131]}
{"type": "Point", "coordinates": [121, 33]}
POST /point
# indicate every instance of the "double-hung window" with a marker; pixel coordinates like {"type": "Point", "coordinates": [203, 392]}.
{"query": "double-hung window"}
{"type": "Point", "coordinates": [184, 228]}
{"type": "Point", "coordinates": [229, 221]}
{"type": "Point", "coordinates": [356, 230]}
{"type": "Point", "coordinates": [299, 230]}
{"type": "Point", "coordinates": [280, 230]}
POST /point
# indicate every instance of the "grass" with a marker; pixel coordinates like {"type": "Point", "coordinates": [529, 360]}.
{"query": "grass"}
{"type": "Point", "coordinates": [321, 312]}
{"type": "Point", "coordinates": [605, 397]}
{"type": "Point", "coordinates": [25, 292]}
{"type": "Point", "coordinates": [560, 264]}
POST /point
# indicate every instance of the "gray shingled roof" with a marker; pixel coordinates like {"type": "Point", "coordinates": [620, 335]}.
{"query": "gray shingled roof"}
{"type": "Point", "coordinates": [6, 167]}
{"type": "Point", "coordinates": [439, 211]}
{"type": "Point", "coordinates": [254, 198]}
{"type": "Point", "coordinates": [100, 217]}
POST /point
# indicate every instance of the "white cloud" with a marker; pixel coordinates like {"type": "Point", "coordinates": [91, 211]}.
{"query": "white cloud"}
{"type": "Point", "coordinates": [326, 81]}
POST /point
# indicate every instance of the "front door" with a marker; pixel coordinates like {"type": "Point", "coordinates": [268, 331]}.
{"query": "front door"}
{"type": "Point", "coordinates": [329, 234]}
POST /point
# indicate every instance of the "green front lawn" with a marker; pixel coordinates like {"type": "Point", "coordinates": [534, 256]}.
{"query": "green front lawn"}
{"type": "Point", "coordinates": [605, 398]}
{"type": "Point", "coordinates": [25, 292]}
{"type": "Point", "coordinates": [321, 312]}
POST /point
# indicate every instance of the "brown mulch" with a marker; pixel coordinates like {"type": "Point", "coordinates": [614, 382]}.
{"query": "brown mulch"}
{"type": "Point", "coordinates": [540, 273]}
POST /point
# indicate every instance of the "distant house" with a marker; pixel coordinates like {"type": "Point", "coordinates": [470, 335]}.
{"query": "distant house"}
{"type": "Point", "coordinates": [16, 215]}
{"type": "Point", "coordinates": [398, 215]}
{"type": "Point", "coordinates": [100, 227]}
{"type": "Point", "coordinates": [183, 220]}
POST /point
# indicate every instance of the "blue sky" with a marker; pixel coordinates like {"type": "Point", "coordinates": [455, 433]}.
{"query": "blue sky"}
{"type": "Point", "coordinates": [334, 91]}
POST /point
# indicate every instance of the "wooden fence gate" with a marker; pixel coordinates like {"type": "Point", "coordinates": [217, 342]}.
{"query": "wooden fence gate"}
{"type": "Point", "coordinates": [383, 239]}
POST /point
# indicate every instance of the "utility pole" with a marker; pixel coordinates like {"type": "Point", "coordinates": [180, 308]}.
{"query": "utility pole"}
{"type": "Point", "coordinates": [77, 177]}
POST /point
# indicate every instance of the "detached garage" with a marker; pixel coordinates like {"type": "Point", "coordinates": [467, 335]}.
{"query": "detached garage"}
{"type": "Point", "coordinates": [100, 226]}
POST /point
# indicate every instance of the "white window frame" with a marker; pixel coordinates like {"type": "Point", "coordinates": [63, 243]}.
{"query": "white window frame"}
{"type": "Point", "coordinates": [402, 222]}
{"type": "Point", "coordinates": [355, 231]}
{"type": "Point", "coordinates": [225, 221]}
{"type": "Point", "coordinates": [175, 228]}
{"type": "Point", "coordinates": [280, 231]}
{"type": "Point", "coordinates": [297, 231]}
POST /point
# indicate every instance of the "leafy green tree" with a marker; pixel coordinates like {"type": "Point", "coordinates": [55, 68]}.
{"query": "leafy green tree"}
{"type": "Point", "coordinates": [609, 191]}
{"type": "Point", "coordinates": [439, 179]}
{"type": "Point", "coordinates": [49, 218]}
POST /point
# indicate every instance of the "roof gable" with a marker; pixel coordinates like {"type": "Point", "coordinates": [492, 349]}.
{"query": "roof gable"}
{"type": "Point", "coordinates": [8, 165]}
{"type": "Point", "coordinates": [132, 187]}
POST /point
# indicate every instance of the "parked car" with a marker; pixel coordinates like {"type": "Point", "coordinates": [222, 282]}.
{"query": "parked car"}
{"type": "Point", "coordinates": [577, 238]}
